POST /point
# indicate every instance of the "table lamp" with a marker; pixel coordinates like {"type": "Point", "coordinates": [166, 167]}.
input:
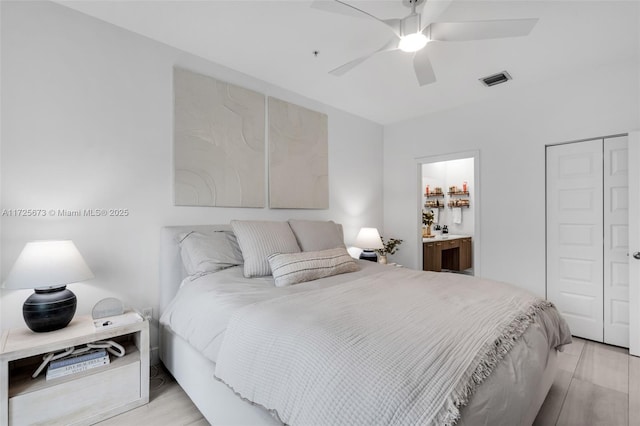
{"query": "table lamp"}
{"type": "Point", "coordinates": [47, 267]}
{"type": "Point", "coordinates": [368, 240]}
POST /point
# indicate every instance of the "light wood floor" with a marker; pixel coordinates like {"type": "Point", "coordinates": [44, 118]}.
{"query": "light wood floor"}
{"type": "Point", "coordinates": [595, 385]}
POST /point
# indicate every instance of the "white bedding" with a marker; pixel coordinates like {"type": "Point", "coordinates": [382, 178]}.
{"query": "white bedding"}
{"type": "Point", "coordinates": [202, 308]}
{"type": "Point", "coordinates": [398, 347]}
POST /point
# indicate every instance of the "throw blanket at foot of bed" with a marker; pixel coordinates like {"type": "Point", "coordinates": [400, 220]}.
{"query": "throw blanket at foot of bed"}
{"type": "Point", "coordinates": [398, 347]}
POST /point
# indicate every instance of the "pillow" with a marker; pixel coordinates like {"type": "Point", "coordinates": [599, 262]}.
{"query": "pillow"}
{"type": "Point", "coordinates": [296, 268]}
{"type": "Point", "coordinates": [203, 254]}
{"type": "Point", "coordinates": [315, 235]}
{"type": "Point", "coordinates": [258, 240]}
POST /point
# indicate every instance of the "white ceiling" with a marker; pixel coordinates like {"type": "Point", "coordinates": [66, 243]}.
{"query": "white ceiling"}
{"type": "Point", "coordinates": [274, 41]}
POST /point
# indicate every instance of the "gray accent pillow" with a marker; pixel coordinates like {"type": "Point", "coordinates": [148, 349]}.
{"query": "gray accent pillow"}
{"type": "Point", "coordinates": [206, 253]}
{"type": "Point", "coordinates": [258, 240]}
{"type": "Point", "coordinates": [315, 235]}
{"type": "Point", "coordinates": [294, 268]}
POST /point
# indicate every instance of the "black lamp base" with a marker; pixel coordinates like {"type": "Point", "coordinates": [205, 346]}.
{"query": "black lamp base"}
{"type": "Point", "coordinates": [49, 309]}
{"type": "Point", "coordinates": [369, 255]}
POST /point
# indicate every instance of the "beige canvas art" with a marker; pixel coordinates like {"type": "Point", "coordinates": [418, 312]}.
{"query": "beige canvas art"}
{"type": "Point", "coordinates": [219, 143]}
{"type": "Point", "coordinates": [298, 157]}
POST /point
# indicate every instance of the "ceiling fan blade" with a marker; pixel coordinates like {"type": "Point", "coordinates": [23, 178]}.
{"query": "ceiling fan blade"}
{"type": "Point", "coordinates": [422, 67]}
{"type": "Point", "coordinates": [344, 8]}
{"type": "Point", "coordinates": [343, 69]}
{"type": "Point", "coordinates": [432, 9]}
{"type": "Point", "coordinates": [480, 30]}
{"type": "Point", "coordinates": [338, 7]}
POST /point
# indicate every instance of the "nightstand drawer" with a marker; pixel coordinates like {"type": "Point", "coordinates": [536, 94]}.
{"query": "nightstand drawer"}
{"type": "Point", "coordinates": [79, 401]}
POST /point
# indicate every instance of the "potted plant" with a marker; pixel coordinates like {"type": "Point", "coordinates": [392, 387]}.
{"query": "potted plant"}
{"type": "Point", "coordinates": [427, 221]}
{"type": "Point", "coordinates": [389, 247]}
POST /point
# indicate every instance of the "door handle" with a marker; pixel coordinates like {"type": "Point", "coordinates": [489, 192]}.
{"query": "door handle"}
{"type": "Point", "coordinates": [636, 255]}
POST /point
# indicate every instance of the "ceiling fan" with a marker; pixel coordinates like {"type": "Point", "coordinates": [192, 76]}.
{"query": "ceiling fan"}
{"type": "Point", "coordinates": [412, 33]}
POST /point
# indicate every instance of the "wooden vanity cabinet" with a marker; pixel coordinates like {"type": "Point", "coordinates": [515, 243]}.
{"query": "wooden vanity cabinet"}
{"type": "Point", "coordinates": [454, 254]}
{"type": "Point", "coordinates": [431, 259]}
{"type": "Point", "coordinates": [465, 254]}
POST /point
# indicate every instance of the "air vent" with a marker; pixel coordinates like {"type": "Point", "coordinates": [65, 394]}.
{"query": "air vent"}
{"type": "Point", "coordinates": [492, 80]}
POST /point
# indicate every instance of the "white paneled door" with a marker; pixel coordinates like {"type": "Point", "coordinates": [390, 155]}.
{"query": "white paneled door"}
{"type": "Point", "coordinates": [634, 243]}
{"type": "Point", "coordinates": [574, 235]}
{"type": "Point", "coordinates": [588, 237]}
{"type": "Point", "coordinates": [616, 241]}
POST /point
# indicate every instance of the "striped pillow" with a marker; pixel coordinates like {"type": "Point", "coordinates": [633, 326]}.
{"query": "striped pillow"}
{"type": "Point", "coordinates": [294, 268]}
{"type": "Point", "coordinates": [258, 239]}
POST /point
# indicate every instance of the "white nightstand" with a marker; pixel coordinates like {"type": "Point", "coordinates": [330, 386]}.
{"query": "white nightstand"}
{"type": "Point", "coordinates": [81, 398]}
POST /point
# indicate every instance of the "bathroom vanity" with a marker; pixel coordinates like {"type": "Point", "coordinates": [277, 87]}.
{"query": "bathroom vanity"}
{"type": "Point", "coordinates": [451, 252]}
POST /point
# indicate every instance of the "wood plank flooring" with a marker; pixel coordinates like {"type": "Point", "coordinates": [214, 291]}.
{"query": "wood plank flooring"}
{"type": "Point", "coordinates": [168, 405]}
{"type": "Point", "coordinates": [596, 385]}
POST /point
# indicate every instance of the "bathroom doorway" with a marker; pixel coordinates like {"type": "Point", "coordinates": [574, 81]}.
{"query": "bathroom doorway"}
{"type": "Point", "coordinates": [449, 191]}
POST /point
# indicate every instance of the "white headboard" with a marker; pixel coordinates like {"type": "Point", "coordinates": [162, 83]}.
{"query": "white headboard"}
{"type": "Point", "coordinates": [171, 270]}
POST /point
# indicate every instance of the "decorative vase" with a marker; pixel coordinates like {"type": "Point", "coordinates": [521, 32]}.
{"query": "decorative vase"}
{"type": "Point", "coordinates": [382, 259]}
{"type": "Point", "coordinates": [426, 232]}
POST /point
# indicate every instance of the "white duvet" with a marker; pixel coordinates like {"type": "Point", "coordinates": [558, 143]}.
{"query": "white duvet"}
{"type": "Point", "coordinates": [202, 308]}
{"type": "Point", "coordinates": [357, 380]}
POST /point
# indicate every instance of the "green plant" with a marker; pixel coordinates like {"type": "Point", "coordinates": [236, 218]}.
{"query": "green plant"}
{"type": "Point", "coordinates": [390, 247]}
{"type": "Point", "coordinates": [427, 217]}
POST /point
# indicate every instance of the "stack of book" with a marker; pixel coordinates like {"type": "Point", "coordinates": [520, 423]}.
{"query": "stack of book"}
{"type": "Point", "coordinates": [77, 363]}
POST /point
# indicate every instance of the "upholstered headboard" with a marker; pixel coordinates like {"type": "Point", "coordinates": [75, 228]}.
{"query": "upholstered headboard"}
{"type": "Point", "coordinates": [171, 270]}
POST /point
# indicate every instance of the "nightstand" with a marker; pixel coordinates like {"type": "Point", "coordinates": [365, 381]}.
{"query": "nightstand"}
{"type": "Point", "coordinates": [81, 398]}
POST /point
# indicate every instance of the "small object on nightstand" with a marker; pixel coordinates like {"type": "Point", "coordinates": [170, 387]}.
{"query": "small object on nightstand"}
{"type": "Point", "coordinates": [107, 308]}
{"type": "Point", "coordinates": [129, 317]}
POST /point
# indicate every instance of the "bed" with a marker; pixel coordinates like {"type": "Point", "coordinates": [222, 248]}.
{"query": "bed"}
{"type": "Point", "coordinates": [510, 393]}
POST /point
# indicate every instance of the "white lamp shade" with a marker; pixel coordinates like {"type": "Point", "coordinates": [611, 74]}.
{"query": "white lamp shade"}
{"type": "Point", "coordinates": [368, 239]}
{"type": "Point", "coordinates": [48, 264]}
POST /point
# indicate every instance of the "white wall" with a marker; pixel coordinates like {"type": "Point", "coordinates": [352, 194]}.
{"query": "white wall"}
{"type": "Point", "coordinates": [446, 174]}
{"type": "Point", "coordinates": [510, 132]}
{"type": "Point", "coordinates": [87, 123]}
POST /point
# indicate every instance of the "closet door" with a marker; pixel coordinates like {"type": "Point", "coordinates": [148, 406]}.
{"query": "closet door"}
{"type": "Point", "coordinates": [616, 241]}
{"type": "Point", "coordinates": [574, 235]}
{"type": "Point", "coordinates": [634, 242]}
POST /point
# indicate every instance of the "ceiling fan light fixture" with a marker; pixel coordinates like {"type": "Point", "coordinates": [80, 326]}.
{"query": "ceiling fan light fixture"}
{"type": "Point", "coordinates": [413, 42]}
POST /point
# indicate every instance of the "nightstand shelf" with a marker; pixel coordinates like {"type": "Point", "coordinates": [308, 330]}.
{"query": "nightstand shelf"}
{"type": "Point", "coordinates": [81, 398]}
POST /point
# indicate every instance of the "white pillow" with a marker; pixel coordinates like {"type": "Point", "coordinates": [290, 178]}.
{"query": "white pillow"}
{"type": "Point", "coordinates": [203, 254]}
{"type": "Point", "coordinates": [294, 268]}
{"type": "Point", "coordinates": [258, 240]}
{"type": "Point", "coordinates": [315, 235]}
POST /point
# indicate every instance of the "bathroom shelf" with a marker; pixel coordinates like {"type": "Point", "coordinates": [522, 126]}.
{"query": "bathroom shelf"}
{"type": "Point", "coordinates": [452, 204]}
{"type": "Point", "coordinates": [439, 206]}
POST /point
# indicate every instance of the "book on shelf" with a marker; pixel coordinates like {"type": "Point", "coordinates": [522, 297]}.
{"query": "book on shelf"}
{"type": "Point", "coordinates": [80, 357]}
{"type": "Point", "coordinates": [54, 373]}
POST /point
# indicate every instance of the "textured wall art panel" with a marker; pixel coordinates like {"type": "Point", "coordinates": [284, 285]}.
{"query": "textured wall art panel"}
{"type": "Point", "coordinates": [298, 157]}
{"type": "Point", "coordinates": [219, 143]}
